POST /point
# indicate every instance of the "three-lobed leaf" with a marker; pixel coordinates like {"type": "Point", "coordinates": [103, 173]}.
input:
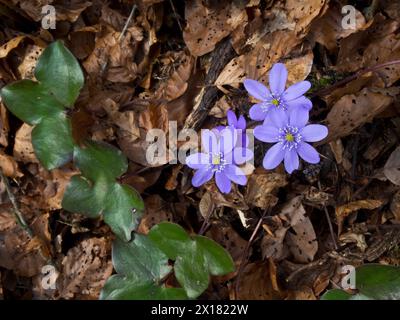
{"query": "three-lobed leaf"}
{"type": "Point", "coordinates": [195, 258]}
{"type": "Point", "coordinates": [43, 103]}
{"type": "Point", "coordinates": [141, 266]}
{"type": "Point", "coordinates": [97, 191]}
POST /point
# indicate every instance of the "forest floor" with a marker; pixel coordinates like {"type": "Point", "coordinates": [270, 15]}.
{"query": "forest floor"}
{"type": "Point", "coordinates": [289, 235]}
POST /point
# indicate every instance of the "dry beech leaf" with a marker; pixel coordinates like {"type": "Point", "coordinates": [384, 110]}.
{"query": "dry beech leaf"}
{"type": "Point", "coordinates": [391, 169]}
{"type": "Point", "coordinates": [395, 206]}
{"type": "Point", "coordinates": [117, 56]}
{"type": "Point", "coordinates": [23, 149]}
{"type": "Point", "coordinates": [377, 44]}
{"type": "Point", "coordinates": [85, 270]}
{"type": "Point", "coordinates": [227, 237]}
{"type": "Point", "coordinates": [354, 110]}
{"type": "Point", "coordinates": [157, 210]}
{"type": "Point", "coordinates": [206, 205]}
{"type": "Point", "coordinates": [344, 210]}
{"type": "Point", "coordinates": [9, 166]}
{"type": "Point", "coordinates": [28, 64]}
{"type": "Point", "coordinates": [327, 30]}
{"type": "Point", "coordinates": [256, 63]}
{"type": "Point", "coordinates": [18, 251]}
{"type": "Point", "coordinates": [177, 83]}
{"type": "Point", "coordinates": [261, 188]}
{"type": "Point", "coordinates": [206, 26]}
{"type": "Point", "coordinates": [255, 284]}
{"type": "Point", "coordinates": [4, 126]}
{"type": "Point", "coordinates": [301, 240]}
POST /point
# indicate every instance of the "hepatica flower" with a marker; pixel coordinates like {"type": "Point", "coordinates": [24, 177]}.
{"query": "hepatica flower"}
{"type": "Point", "coordinates": [216, 159]}
{"type": "Point", "coordinates": [277, 97]}
{"type": "Point", "coordinates": [289, 132]}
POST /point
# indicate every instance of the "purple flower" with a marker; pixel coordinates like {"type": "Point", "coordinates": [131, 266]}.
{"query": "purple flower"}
{"type": "Point", "coordinates": [278, 97]}
{"type": "Point", "coordinates": [217, 158]}
{"type": "Point", "coordinates": [236, 123]}
{"type": "Point", "coordinates": [239, 125]}
{"type": "Point", "coordinates": [289, 132]}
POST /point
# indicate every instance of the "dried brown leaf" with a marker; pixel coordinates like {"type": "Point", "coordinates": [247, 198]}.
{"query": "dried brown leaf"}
{"type": "Point", "coordinates": [85, 270]}
{"type": "Point", "coordinates": [354, 110]}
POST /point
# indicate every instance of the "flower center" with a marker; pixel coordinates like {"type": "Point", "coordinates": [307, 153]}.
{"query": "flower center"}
{"type": "Point", "coordinates": [217, 162]}
{"type": "Point", "coordinates": [216, 159]}
{"type": "Point", "coordinates": [275, 102]}
{"type": "Point", "coordinates": [289, 137]}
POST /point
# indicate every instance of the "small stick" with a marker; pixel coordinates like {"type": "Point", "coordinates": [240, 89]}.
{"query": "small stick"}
{"type": "Point", "coordinates": [17, 213]}
{"type": "Point", "coordinates": [121, 36]}
{"type": "Point", "coordinates": [328, 218]}
{"type": "Point", "coordinates": [176, 15]}
{"type": "Point", "coordinates": [245, 252]}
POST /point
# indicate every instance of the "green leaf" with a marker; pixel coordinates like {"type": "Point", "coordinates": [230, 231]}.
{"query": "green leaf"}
{"type": "Point", "coordinates": [43, 103]}
{"type": "Point", "coordinates": [59, 72]}
{"type": "Point", "coordinates": [139, 259]}
{"type": "Point", "coordinates": [336, 294]}
{"type": "Point", "coordinates": [379, 281]}
{"type": "Point", "coordinates": [195, 259]}
{"type": "Point", "coordinates": [191, 271]}
{"type": "Point", "coordinates": [52, 141]}
{"type": "Point", "coordinates": [218, 260]}
{"type": "Point", "coordinates": [97, 192]}
{"type": "Point", "coordinates": [141, 266]}
{"type": "Point", "coordinates": [373, 282]}
{"type": "Point", "coordinates": [81, 196]}
{"type": "Point", "coordinates": [122, 209]}
{"type": "Point", "coordinates": [171, 238]}
{"type": "Point", "coordinates": [122, 288]}
{"type": "Point", "coordinates": [30, 101]}
{"type": "Point", "coordinates": [97, 158]}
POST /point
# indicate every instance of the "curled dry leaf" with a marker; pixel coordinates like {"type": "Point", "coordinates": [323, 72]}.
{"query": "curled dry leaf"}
{"type": "Point", "coordinates": [206, 26]}
{"type": "Point", "coordinates": [85, 270]}
{"type": "Point", "coordinates": [395, 206]}
{"type": "Point", "coordinates": [16, 41]}
{"type": "Point", "coordinates": [4, 126]}
{"type": "Point", "coordinates": [180, 71]}
{"type": "Point", "coordinates": [354, 110]}
{"type": "Point", "coordinates": [344, 210]}
{"type": "Point", "coordinates": [391, 169]}
{"type": "Point", "coordinates": [293, 229]}
{"type": "Point", "coordinates": [115, 56]}
{"type": "Point", "coordinates": [23, 149]}
{"type": "Point", "coordinates": [28, 64]}
{"type": "Point", "coordinates": [262, 187]}
{"type": "Point", "coordinates": [9, 166]}
{"type": "Point", "coordinates": [234, 199]}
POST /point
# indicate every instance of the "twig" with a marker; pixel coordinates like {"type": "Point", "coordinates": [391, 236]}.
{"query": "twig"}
{"type": "Point", "coordinates": [17, 213]}
{"type": "Point", "coordinates": [120, 37]}
{"type": "Point", "coordinates": [128, 21]}
{"type": "Point", "coordinates": [176, 15]}
{"type": "Point", "coordinates": [328, 218]}
{"type": "Point", "coordinates": [246, 249]}
{"type": "Point", "coordinates": [222, 54]}
{"type": "Point", "coordinates": [325, 91]}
